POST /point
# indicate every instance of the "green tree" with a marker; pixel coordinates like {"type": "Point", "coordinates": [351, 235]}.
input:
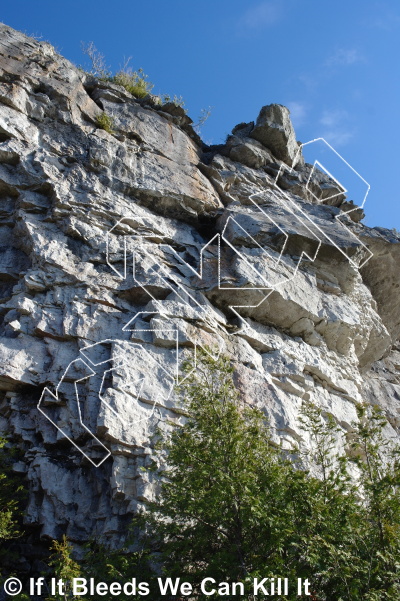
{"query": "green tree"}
{"type": "Point", "coordinates": [65, 568]}
{"type": "Point", "coordinates": [328, 520]}
{"type": "Point", "coordinates": [222, 511]}
{"type": "Point", "coordinates": [378, 461]}
{"type": "Point", "coordinates": [12, 496]}
{"type": "Point", "coordinates": [233, 507]}
{"type": "Point", "coordinates": [120, 566]}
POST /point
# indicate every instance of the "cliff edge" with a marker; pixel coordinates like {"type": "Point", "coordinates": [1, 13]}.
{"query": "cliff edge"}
{"type": "Point", "coordinates": [123, 251]}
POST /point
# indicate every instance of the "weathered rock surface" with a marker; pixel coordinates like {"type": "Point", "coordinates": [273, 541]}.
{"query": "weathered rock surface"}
{"type": "Point", "coordinates": [79, 207]}
{"type": "Point", "coordinates": [274, 130]}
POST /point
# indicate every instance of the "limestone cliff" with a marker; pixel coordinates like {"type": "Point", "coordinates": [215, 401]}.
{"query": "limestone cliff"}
{"type": "Point", "coordinates": [120, 252]}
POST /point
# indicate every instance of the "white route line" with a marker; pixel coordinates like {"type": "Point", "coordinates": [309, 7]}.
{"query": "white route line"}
{"type": "Point", "coordinates": [338, 217]}
{"type": "Point", "coordinates": [159, 271]}
{"type": "Point", "coordinates": [55, 396]}
{"type": "Point", "coordinates": [283, 281]}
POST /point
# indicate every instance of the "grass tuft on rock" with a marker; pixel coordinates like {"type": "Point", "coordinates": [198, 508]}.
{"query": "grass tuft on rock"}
{"type": "Point", "coordinates": [104, 121]}
{"type": "Point", "coordinates": [134, 82]}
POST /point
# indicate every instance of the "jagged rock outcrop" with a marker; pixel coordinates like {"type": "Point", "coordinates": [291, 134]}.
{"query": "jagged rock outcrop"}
{"type": "Point", "coordinates": [274, 130]}
{"type": "Point", "coordinates": [207, 229]}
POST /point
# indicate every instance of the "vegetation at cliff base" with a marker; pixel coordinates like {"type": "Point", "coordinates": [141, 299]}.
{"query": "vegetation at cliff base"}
{"type": "Point", "coordinates": [11, 499]}
{"type": "Point", "coordinates": [233, 506]}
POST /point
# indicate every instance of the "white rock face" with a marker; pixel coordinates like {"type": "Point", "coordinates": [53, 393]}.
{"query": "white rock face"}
{"type": "Point", "coordinates": [95, 341]}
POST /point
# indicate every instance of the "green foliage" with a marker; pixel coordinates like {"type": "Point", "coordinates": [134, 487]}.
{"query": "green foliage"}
{"type": "Point", "coordinates": [377, 460]}
{"type": "Point", "coordinates": [12, 497]}
{"type": "Point", "coordinates": [120, 566]}
{"type": "Point", "coordinates": [233, 508]}
{"type": "Point", "coordinates": [100, 563]}
{"type": "Point", "coordinates": [328, 516]}
{"type": "Point", "coordinates": [134, 82]}
{"type": "Point", "coordinates": [65, 567]}
{"type": "Point", "coordinates": [105, 122]}
{"type": "Point", "coordinates": [221, 511]}
{"type": "Point", "coordinates": [11, 494]}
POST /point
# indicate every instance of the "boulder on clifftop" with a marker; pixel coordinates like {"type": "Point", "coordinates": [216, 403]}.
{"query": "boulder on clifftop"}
{"type": "Point", "coordinates": [275, 131]}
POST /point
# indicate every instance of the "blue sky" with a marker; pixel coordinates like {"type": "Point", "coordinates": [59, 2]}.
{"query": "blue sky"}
{"type": "Point", "coordinates": [334, 64]}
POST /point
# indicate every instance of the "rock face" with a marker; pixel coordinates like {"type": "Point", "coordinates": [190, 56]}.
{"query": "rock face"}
{"type": "Point", "coordinates": [274, 130]}
{"type": "Point", "coordinates": [120, 252]}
